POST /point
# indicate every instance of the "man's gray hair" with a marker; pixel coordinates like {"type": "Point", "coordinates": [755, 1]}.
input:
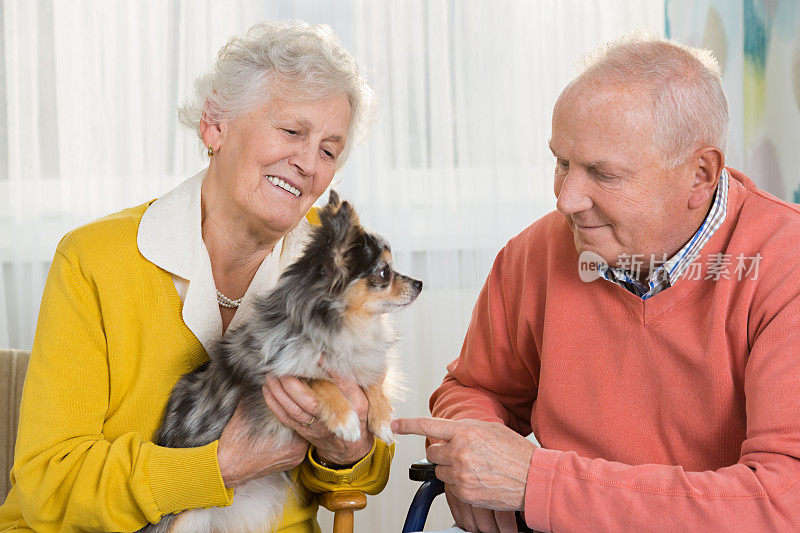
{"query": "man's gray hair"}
{"type": "Point", "coordinates": [689, 105]}
{"type": "Point", "coordinates": [292, 60]}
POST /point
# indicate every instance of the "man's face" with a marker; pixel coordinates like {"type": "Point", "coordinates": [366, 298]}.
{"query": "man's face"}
{"type": "Point", "coordinates": [611, 182]}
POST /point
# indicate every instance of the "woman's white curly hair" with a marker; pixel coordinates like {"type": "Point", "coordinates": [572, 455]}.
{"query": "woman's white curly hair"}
{"type": "Point", "coordinates": [292, 60]}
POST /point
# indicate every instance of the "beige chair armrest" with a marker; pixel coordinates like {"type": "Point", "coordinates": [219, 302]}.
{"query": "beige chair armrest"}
{"type": "Point", "coordinates": [13, 365]}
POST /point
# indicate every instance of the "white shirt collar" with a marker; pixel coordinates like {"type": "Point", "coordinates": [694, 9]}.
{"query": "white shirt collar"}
{"type": "Point", "coordinates": [170, 236]}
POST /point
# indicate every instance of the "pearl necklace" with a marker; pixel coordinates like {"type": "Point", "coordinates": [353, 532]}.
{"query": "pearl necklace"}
{"type": "Point", "coordinates": [224, 301]}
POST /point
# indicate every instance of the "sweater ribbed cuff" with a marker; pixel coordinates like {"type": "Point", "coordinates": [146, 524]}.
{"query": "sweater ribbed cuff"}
{"type": "Point", "coordinates": [538, 488]}
{"type": "Point", "coordinates": [186, 478]}
{"type": "Point", "coordinates": [346, 475]}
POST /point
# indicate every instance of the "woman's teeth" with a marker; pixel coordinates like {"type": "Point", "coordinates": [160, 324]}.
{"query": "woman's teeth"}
{"type": "Point", "coordinates": [283, 185]}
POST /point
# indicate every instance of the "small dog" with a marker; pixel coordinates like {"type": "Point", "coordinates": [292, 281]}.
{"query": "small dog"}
{"type": "Point", "coordinates": [333, 299]}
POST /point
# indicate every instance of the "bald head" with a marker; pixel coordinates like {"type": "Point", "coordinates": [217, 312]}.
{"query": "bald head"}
{"type": "Point", "coordinates": [681, 87]}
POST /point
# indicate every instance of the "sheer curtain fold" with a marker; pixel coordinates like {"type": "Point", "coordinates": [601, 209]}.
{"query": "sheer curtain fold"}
{"type": "Point", "coordinates": [456, 163]}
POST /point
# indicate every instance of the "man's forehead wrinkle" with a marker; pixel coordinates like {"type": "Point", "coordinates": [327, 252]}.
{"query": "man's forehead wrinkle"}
{"type": "Point", "coordinates": [603, 137]}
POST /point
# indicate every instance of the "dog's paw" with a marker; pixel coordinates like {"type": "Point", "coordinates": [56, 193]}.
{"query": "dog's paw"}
{"type": "Point", "coordinates": [384, 432]}
{"type": "Point", "coordinates": [350, 430]}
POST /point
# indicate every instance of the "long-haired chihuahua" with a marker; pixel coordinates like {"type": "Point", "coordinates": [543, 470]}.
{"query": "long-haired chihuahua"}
{"type": "Point", "coordinates": [332, 300]}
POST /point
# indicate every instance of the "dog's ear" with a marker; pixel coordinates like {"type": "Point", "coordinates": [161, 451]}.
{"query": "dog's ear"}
{"type": "Point", "coordinates": [337, 215]}
{"type": "Point", "coordinates": [333, 200]}
{"type": "Point", "coordinates": [341, 227]}
{"type": "Point", "coordinates": [346, 215]}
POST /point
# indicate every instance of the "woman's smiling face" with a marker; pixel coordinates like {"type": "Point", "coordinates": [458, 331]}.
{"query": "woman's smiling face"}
{"type": "Point", "coordinates": [276, 161]}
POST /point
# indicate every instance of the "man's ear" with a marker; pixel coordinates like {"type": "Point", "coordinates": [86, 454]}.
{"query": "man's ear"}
{"type": "Point", "coordinates": [707, 165]}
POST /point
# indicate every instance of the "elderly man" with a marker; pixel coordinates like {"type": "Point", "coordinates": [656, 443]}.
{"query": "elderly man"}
{"type": "Point", "coordinates": [662, 377]}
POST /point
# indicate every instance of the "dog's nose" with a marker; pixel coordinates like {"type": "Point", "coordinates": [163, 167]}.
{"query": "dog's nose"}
{"type": "Point", "coordinates": [417, 284]}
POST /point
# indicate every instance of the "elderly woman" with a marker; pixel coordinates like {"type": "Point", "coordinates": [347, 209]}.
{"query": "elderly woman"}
{"type": "Point", "coordinates": [135, 300]}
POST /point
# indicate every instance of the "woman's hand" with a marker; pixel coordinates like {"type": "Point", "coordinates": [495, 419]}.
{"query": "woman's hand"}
{"type": "Point", "coordinates": [297, 406]}
{"type": "Point", "coordinates": [241, 459]}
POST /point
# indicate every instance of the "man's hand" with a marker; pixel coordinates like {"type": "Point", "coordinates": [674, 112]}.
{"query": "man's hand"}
{"type": "Point", "coordinates": [242, 459]}
{"type": "Point", "coordinates": [297, 406]}
{"type": "Point", "coordinates": [478, 519]}
{"type": "Point", "coordinates": [485, 464]}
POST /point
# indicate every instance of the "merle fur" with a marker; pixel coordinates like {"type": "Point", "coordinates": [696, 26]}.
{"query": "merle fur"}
{"type": "Point", "coordinates": [304, 309]}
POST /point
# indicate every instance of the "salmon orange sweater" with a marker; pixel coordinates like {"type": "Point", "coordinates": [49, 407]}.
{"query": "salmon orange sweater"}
{"type": "Point", "coordinates": [681, 412]}
{"type": "Point", "coordinates": [110, 345]}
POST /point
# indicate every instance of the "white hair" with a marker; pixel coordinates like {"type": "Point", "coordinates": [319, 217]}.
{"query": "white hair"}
{"type": "Point", "coordinates": [689, 105]}
{"type": "Point", "coordinates": [293, 60]}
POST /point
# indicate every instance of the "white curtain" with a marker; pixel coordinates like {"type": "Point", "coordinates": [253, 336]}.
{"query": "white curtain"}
{"type": "Point", "coordinates": [457, 162]}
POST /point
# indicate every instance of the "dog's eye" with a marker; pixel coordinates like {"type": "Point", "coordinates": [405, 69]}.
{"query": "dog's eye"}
{"type": "Point", "coordinates": [385, 273]}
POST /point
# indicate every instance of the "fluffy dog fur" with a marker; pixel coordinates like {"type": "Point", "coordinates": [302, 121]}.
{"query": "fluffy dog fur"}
{"type": "Point", "coordinates": [332, 300]}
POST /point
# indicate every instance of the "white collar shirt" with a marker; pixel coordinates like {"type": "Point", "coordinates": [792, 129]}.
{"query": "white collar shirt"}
{"type": "Point", "coordinates": [170, 236]}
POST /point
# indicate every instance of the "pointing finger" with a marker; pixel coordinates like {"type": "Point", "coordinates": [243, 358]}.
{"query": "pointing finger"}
{"type": "Point", "coordinates": [437, 428]}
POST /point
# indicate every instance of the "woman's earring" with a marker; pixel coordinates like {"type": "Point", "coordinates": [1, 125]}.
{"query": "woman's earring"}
{"type": "Point", "coordinates": [210, 151]}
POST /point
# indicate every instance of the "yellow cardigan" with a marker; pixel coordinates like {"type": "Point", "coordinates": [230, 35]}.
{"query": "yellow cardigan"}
{"type": "Point", "coordinates": [110, 344]}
